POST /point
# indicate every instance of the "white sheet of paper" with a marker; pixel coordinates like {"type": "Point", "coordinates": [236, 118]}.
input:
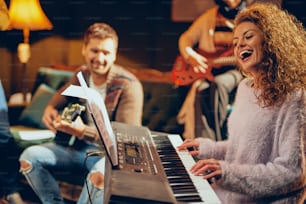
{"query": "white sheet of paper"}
{"type": "Point", "coordinates": [36, 134]}
{"type": "Point", "coordinates": [97, 107]}
{"type": "Point", "coordinates": [75, 91]}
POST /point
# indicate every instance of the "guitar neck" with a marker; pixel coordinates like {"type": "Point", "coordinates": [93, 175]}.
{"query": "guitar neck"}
{"type": "Point", "coordinates": [223, 61]}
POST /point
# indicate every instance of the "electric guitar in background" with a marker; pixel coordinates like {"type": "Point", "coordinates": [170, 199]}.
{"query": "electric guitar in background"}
{"type": "Point", "coordinates": [183, 73]}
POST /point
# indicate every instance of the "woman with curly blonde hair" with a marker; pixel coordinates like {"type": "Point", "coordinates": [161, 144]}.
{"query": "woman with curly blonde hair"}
{"type": "Point", "coordinates": [263, 160]}
{"type": "Point", "coordinates": [283, 66]}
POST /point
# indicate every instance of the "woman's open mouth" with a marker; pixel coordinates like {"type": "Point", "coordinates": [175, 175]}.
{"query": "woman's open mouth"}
{"type": "Point", "coordinates": [245, 54]}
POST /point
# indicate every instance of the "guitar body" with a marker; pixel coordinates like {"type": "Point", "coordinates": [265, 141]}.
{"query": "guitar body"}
{"type": "Point", "coordinates": [69, 114]}
{"type": "Point", "coordinates": [183, 74]}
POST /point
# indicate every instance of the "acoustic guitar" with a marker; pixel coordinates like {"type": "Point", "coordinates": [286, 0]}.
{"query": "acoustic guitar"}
{"type": "Point", "coordinates": [69, 114]}
{"type": "Point", "coordinates": [183, 73]}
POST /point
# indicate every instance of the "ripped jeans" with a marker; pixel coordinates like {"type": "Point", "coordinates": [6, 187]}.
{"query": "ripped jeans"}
{"type": "Point", "coordinates": [41, 163]}
{"type": "Point", "coordinates": [92, 194]}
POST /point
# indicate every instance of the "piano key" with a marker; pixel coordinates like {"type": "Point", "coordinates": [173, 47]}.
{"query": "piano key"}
{"type": "Point", "coordinates": [181, 190]}
{"type": "Point", "coordinates": [203, 187]}
{"type": "Point", "coordinates": [174, 160]}
{"type": "Point", "coordinates": [189, 198]}
{"type": "Point", "coordinates": [177, 164]}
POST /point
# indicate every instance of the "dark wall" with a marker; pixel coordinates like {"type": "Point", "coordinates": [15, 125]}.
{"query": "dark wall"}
{"type": "Point", "coordinates": [146, 32]}
{"type": "Point", "coordinates": [145, 29]}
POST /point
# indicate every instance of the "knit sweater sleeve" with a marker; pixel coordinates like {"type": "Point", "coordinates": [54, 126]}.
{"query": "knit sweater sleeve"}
{"type": "Point", "coordinates": [211, 149]}
{"type": "Point", "coordinates": [274, 164]}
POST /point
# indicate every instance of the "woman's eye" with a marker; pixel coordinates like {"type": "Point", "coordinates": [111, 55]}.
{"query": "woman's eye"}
{"type": "Point", "coordinates": [248, 36]}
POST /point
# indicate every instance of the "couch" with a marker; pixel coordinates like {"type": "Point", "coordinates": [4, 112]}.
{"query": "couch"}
{"type": "Point", "coordinates": [162, 101]}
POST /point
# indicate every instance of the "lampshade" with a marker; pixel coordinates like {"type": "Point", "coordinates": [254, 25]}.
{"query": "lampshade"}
{"type": "Point", "coordinates": [4, 16]}
{"type": "Point", "coordinates": [28, 14]}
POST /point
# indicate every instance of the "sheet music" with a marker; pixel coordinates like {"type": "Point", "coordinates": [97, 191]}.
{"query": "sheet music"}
{"type": "Point", "coordinates": [97, 108]}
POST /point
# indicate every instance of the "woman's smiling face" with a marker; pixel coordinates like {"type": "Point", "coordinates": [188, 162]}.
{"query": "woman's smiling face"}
{"type": "Point", "coordinates": [248, 49]}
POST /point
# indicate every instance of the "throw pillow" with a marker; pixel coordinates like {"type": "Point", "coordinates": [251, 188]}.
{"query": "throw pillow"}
{"type": "Point", "coordinates": [51, 77]}
{"type": "Point", "coordinates": [32, 114]}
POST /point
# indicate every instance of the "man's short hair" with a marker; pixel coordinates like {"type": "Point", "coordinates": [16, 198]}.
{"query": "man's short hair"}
{"type": "Point", "coordinates": [100, 31]}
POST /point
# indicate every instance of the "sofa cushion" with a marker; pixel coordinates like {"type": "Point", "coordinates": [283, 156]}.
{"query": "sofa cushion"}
{"type": "Point", "coordinates": [34, 136]}
{"type": "Point", "coordinates": [32, 114]}
{"type": "Point", "coordinates": [51, 77]}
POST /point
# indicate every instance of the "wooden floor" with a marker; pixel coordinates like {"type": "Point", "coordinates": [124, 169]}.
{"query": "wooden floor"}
{"type": "Point", "coordinates": [2, 201]}
{"type": "Point", "coordinates": [29, 197]}
{"type": "Point", "coordinates": [28, 200]}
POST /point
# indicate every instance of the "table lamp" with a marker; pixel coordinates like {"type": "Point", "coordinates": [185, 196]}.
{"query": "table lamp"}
{"type": "Point", "coordinates": [26, 15]}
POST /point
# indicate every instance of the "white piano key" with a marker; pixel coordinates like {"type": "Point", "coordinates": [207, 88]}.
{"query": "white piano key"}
{"type": "Point", "coordinates": [204, 189]}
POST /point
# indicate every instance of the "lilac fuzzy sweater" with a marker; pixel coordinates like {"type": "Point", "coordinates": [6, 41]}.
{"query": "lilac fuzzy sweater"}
{"type": "Point", "coordinates": [263, 160]}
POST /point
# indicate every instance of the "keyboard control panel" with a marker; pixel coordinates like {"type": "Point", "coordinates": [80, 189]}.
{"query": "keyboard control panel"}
{"type": "Point", "coordinates": [134, 154]}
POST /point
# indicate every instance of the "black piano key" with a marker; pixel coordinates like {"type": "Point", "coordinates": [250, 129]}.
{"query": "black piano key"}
{"type": "Point", "coordinates": [178, 180]}
{"type": "Point", "coordinates": [191, 198]}
{"type": "Point", "coordinates": [169, 158]}
{"type": "Point", "coordinates": [181, 190]}
{"type": "Point", "coordinates": [181, 184]}
{"type": "Point", "coordinates": [171, 173]}
{"type": "Point", "coordinates": [174, 166]}
{"type": "Point", "coordinates": [178, 177]}
{"type": "Point", "coordinates": [184, 192]}
{"type": "Point", "coordinates": [187, 188]}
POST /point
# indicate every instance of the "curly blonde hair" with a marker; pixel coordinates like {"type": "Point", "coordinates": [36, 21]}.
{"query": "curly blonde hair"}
{"type": "Point", "coordinates": [284, 49]}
